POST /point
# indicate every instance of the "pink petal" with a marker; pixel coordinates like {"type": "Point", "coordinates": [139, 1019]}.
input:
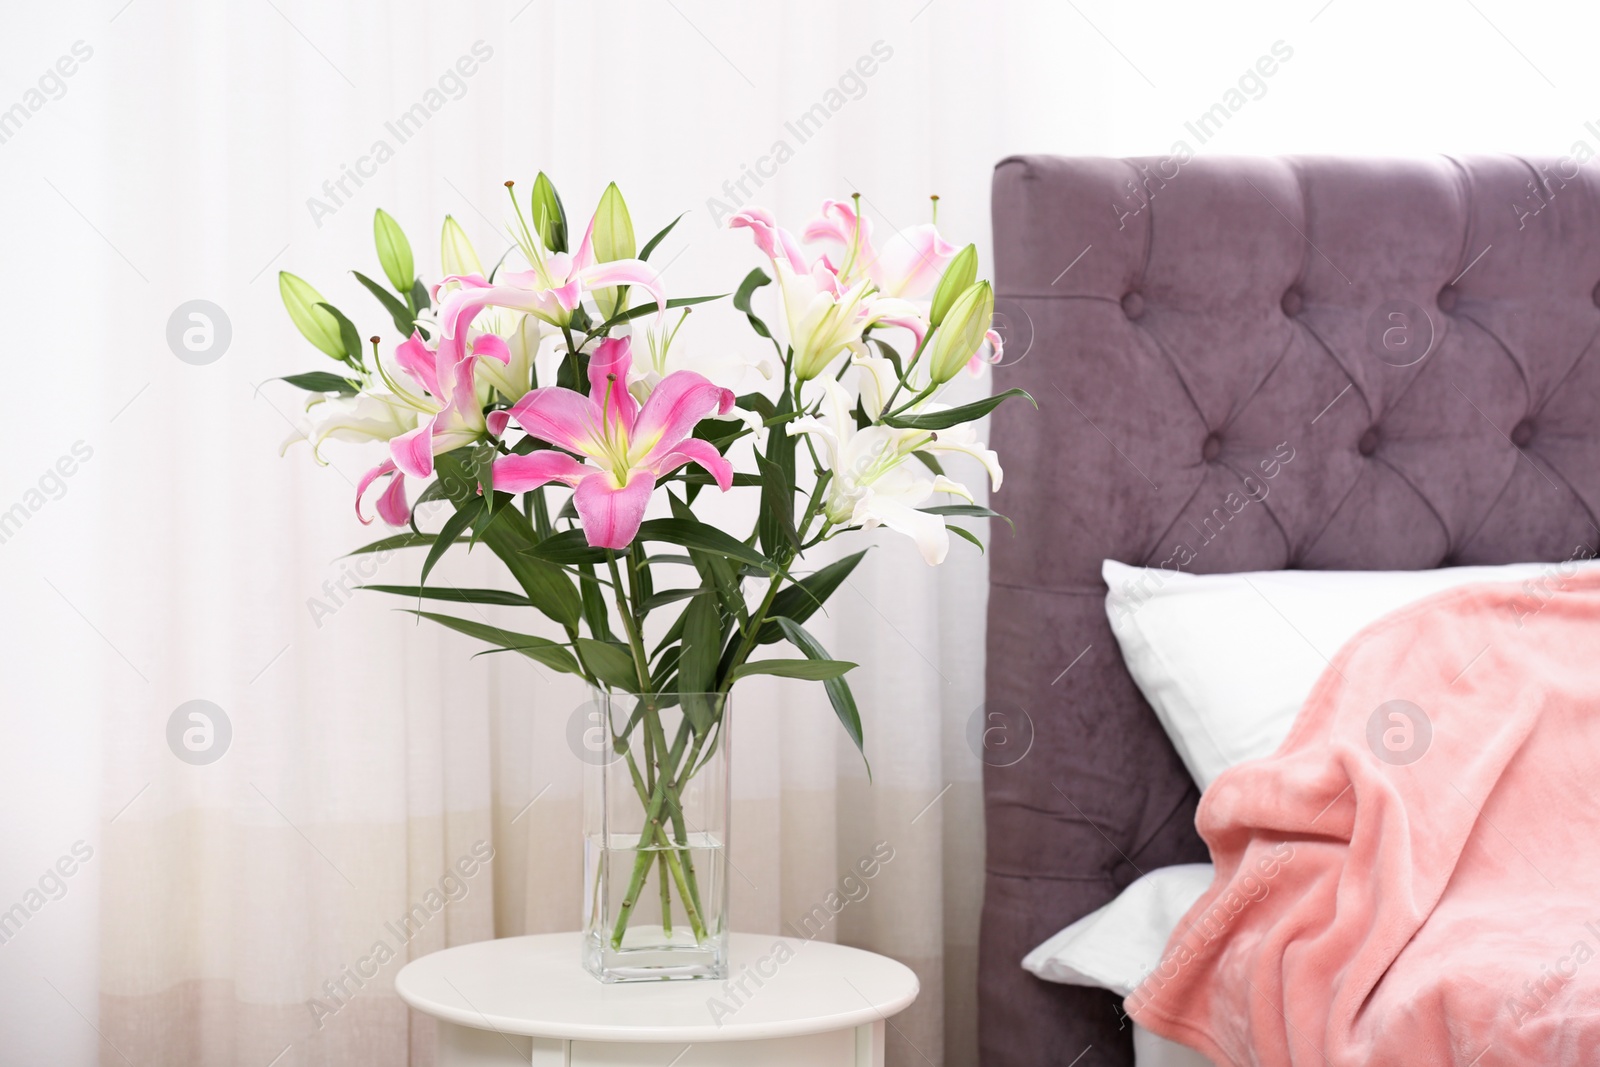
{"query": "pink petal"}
{"type": "Point", "coordinates": [979, 360]}
{"type": "Point", "coordinates": [413, 450]}
{"type": "Point", "coordinates": [771, 238]}
{"type": "Point", "coordinates": [493, 346]}
{"type": "Point", "coordinates": [910, 264]}
{"type": "Point", "coordinates": [585, 256]}
{"type": "Point", "coordinates": [918, 326]}
{"type": "Point", "coordinates": [626, 272]}
{"type": "Point", "coordinates": [560, 416]}
{"type": "Point", "coordinates": [694, 450]}
{"type": "Point", "coordinates": [569, 295]}
{"type": "Point", "coordinates": [518, 474]}
{"type": "Point", "coordinates": [386, 467]}
{"type": "Point", "coordinates": [418, 360]}
{"type": "Point", "coordinates": [837, 225]}
{"type": "Point", "coordinates": [460, 306]}
{"type": "Point", "coordinates": [608, 381]}
{"type": "Point", "coordinates": [673, 409]}
{"type": "Point", "coordinates": [611, 516]}
{"type": "Point", "coordinates": [392, 506]}
{"type": "Point", "coordinates": [497, 422]}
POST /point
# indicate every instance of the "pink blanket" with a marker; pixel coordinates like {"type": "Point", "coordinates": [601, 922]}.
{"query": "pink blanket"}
{"type": "Point", "coordinates": [1414, 877]}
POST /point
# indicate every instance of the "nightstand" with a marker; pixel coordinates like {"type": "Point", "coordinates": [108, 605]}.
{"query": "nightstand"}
{"type": "Point", "coordinates": [787, 1003]}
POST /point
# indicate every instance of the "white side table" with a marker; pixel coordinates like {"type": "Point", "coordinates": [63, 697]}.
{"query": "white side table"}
{"type": "Point", "coordinates": [787, 1003]}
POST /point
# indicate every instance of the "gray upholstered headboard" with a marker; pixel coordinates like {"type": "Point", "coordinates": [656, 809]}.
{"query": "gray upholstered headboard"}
{"type": "Point", "coordinates": [1421, 334]}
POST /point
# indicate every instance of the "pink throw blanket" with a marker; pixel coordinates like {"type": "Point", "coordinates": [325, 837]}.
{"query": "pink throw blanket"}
{"type": "Point", "coordinates": [1414, 877]}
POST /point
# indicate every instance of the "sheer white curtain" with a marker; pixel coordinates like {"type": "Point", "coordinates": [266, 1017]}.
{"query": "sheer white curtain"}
{"type": "Point", "coordinates": [168, 151]}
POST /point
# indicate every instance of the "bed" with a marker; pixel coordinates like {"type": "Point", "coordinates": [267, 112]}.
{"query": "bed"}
{"type": "Point", "coordinates": [1421, 332]}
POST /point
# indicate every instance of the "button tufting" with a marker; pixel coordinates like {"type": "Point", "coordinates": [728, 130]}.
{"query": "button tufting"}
{"type": "Point", "coordinates": [1447, 298]}
{"type": "Point", "coordinates": [1291, 303]}
{"type": "Point", "coordinates": [1595, 296]}
{"type": "Point", "coordinates": [1522, 433]}
{"type": "Point", "coordinates": [1369, 442]}
{"type": "Point", "coordinates": [1133, 305]}
{"type": "Point", "coordinates": [1211, 449]}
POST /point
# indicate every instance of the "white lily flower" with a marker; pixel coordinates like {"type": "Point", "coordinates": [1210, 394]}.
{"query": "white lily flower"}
{"type": "Point", "coordinates": [877, 382]}
{"type": "Point", "coordinates": [363, 417]}
{"type": "Point", "coordinates": [876, 480]}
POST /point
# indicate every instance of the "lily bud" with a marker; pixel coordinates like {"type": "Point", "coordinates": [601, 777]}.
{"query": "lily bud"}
{"type": "Point", "coordinates": [962, 334]}
{"type": "Point", "coordinates": [612, 236]}
{"type": "Point", "coordinates": [549, 217]}
{"type": "Point", "coordinates": [958, 277]}
{"type": "Point", "coordinates": [314, 322]}
{"type": "Point", "coordinates": [394, 251]}
{"type": "Point", "coordinates": [456, 253]}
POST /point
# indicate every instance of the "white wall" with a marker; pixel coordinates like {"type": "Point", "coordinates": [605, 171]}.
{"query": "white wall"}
{"type": "Point", "coordinates": [177, 161]}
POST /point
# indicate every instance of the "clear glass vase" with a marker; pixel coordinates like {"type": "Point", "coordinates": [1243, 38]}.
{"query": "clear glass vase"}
{"type": "Point", "coordinates": [655, 804]}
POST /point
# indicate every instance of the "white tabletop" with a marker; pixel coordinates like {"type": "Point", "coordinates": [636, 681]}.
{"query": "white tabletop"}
{"type": "Point", "coordinates": [536, 986]}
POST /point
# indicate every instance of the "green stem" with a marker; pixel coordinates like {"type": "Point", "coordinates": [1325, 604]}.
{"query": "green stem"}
{"type": "Point", "coordinates": [652, 815]}
{"type": "Point", "coordinates": [664, 789]}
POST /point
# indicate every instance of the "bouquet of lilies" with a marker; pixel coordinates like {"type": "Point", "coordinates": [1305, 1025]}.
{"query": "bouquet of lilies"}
{"type": "Point", "coordinates": [547, 406]}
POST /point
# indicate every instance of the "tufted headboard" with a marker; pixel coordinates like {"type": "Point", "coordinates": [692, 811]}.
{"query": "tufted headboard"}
{"type": "Point", "coordinates": [1420, 334]}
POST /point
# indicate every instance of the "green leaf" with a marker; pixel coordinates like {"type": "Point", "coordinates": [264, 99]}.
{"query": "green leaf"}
{"type": "Point", "coordinates": [610, 663]}
{"type": "Point", "coordinates": [698, 658]}
{"type": "Point", "coordinates": [550, 653]}
{"type": "Point", "coordinates": [459, 596]}
{"type": "Point", "coordinates": [394, 251]}
{"type": "Point", "coordinates": [756, 402]}
{"type": "Point", "coordinates": [595, 612]}
{"type": "Point", "coordinates": [389, 544]}
{"type": "Point", "coordinates": [700, 476]}
{"type": "Point", "coordinates": [844, 702]}
{"type": "Point", "coordinates": [967, 534]}
{"type": "Point", "coordinates": [321, 381]}
{"type": "Point", "coordinates": [775, 523]}
{"type": "Point", "coordinates": [452, 529]}
{"type": "Point", "coordinates": [971, 511]}
{"type": "Point", "coordinates": [650, 245]}
{"type": "Point", "coordinates": [692, 533]}
{"type": "Point", "coordinates": [568, 546]}
{"type": "Point", "coordinates": [931, 462]}
{"type": "Point", "coordinates": [419, 296]}
{"type": "Point", "coordinates": [646, 309]}
{"type": "Point", "coordinates": [813, 670]}
{"type": "Point", "coordinates": [403, 319]}
{"type": "Point", "coordinates": [943, 420]}
{"type": "Point", "coordinates": [800, 601]}
{"type": "Point", "coordinates": [305, 307]}
{"type": "Point", "coordinates": [741, 299]}
{"type": "Point", "coordinates": [671, 596]}
{"type": "Point", "coordinates": [510, 537]}
{"type": "Point", "coordinates": [349, 336]}
{"type": "Point", "coordinates": [483, 470]}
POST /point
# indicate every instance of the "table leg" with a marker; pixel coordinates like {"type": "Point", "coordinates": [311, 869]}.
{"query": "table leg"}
{"type": "Point", "coordinates": [869, 1044]}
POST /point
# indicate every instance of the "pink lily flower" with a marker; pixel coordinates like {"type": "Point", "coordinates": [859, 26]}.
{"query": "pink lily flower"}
{"type": "Point", "coordinates": [453, 413]}
{"type": "Point", "coordinates": [825, 313]}
{"type": "Point", "coordinates": [627, 446]}
{"type": "Point", "coordinates": [550, 289]}
{"type": "Point", "coordinates": [910, 264]}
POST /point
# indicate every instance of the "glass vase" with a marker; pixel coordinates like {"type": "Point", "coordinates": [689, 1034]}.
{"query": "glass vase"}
{"type": "Point", "coordinates": [655, 804]}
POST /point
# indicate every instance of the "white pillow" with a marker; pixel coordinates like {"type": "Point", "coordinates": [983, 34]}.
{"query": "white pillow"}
{"type": "Point", "coordinates": [1115, 947]}
{"type": "Point", "coordinates": [1226, 660]}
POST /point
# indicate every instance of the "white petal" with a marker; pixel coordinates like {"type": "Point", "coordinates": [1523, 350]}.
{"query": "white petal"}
{"type": "Point", "coordinates": [928, 531]}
